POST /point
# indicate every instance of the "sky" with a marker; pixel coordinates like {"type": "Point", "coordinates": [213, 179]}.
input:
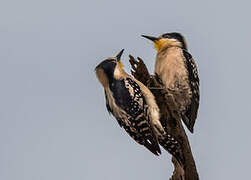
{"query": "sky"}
{"type": "Point", "coordinates": [53, 120]}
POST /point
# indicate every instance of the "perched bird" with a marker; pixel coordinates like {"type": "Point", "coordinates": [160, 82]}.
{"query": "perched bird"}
{"type": "Point", "coordinates": [177, 70]}
{"type": "Point", "coordinates": [134, 107]}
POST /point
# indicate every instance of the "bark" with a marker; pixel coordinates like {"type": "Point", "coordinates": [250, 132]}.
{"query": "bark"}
{"type": "Point", "coordinates": [170, 119]}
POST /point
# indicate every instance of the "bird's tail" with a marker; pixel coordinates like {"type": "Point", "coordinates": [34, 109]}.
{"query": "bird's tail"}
{"type": "Point", "coordinates": [168, 142]}
{"type": "Point", "coordinates": [151, 142]}
{"type": "Point", "coordinates": [188, 123]}
{"type": "Point", "coordinates": [173, 147]}
{"type": "Point", "coordinates": [154, 148]}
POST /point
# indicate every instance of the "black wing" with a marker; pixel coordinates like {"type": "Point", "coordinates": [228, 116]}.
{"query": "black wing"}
{"type": "Point", "coordinates": [128, 96]}
{"type": "Point", "coordinates": [194, 82]}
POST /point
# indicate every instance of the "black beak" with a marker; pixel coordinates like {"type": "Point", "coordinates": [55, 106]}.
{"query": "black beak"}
{"type": "Point", "coordinates": [150, 38]}
{"type": "Point", "coordinates": [119, 55]}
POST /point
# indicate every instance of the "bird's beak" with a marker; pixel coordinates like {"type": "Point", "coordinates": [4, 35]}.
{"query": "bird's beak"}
{"type": "Point", "coordinates": [119, 55]}
{"type": "Point", "coordinates": [151, 38]}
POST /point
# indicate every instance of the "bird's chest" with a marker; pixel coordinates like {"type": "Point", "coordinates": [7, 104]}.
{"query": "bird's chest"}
{"type": "Point", "coordinates": [172, 70]}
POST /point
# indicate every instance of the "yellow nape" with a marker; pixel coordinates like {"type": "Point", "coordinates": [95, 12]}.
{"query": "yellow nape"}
{"type": "Point", "coordinates": [159, 44]}
{"type": "Point", "coordinates": [121, 65]}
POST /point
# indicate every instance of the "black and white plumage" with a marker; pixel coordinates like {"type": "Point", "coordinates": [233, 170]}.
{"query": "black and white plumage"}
{"type": "Point", "coordinates": [177, 70]}
{"type": "Point", "coordinates": [190, 114]}
{"type": "Point", "coordinates": [134, 107]}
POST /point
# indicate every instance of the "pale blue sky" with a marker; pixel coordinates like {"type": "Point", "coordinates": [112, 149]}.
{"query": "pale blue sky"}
{"type": "Point", "coordinates": [53, 121]}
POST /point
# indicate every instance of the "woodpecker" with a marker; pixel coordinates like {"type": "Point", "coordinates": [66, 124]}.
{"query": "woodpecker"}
{"type": "Point", "coordinates": [134, 107]}
{"type": "Point", "coordinates": [177, 70]}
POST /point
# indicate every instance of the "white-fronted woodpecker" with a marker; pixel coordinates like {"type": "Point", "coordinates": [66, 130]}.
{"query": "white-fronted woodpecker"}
{"type": "Point", "coordinates": [135, 108]}
{"type": "Point", "coordinates": [177, 70]}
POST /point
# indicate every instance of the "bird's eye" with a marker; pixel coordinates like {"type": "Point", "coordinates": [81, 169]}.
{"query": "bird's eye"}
{"type": "Point", "coordinates": [166, 36]}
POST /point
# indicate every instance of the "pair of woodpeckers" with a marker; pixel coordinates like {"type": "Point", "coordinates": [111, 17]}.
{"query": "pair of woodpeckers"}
{"type": "Point", "coordinates": [133, 104]}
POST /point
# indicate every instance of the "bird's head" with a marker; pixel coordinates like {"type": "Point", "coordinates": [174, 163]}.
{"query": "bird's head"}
{"type": "Point", "coordinates": [167, 40]}
{"type": "Point", "coordinates": [105, 70]}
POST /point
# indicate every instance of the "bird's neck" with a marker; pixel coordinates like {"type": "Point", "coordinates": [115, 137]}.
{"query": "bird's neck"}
{"type": "Point", "coordinates": [119, 73]}
{"type": "Point", "coordinates": [163, 44]}
{"type": "Point", "coordinates": [165, 49]}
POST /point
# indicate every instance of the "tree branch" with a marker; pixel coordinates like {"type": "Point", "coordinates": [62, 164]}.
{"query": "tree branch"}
{"type": "Point", "coordinates": [170, 119]}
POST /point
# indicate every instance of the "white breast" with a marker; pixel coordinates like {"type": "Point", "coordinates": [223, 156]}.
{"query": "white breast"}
{"type": "Point", "coordinates": [170, 67]}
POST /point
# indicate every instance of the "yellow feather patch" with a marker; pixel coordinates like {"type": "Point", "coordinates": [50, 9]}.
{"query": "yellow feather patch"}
{"type": "Point", "coordinates": [121, 65]}
{"type": "Point", "coordinates": [159, 44]}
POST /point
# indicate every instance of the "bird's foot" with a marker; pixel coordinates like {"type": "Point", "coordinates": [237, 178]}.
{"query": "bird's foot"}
{"type": "Point", "coordinates": [153, 83]}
